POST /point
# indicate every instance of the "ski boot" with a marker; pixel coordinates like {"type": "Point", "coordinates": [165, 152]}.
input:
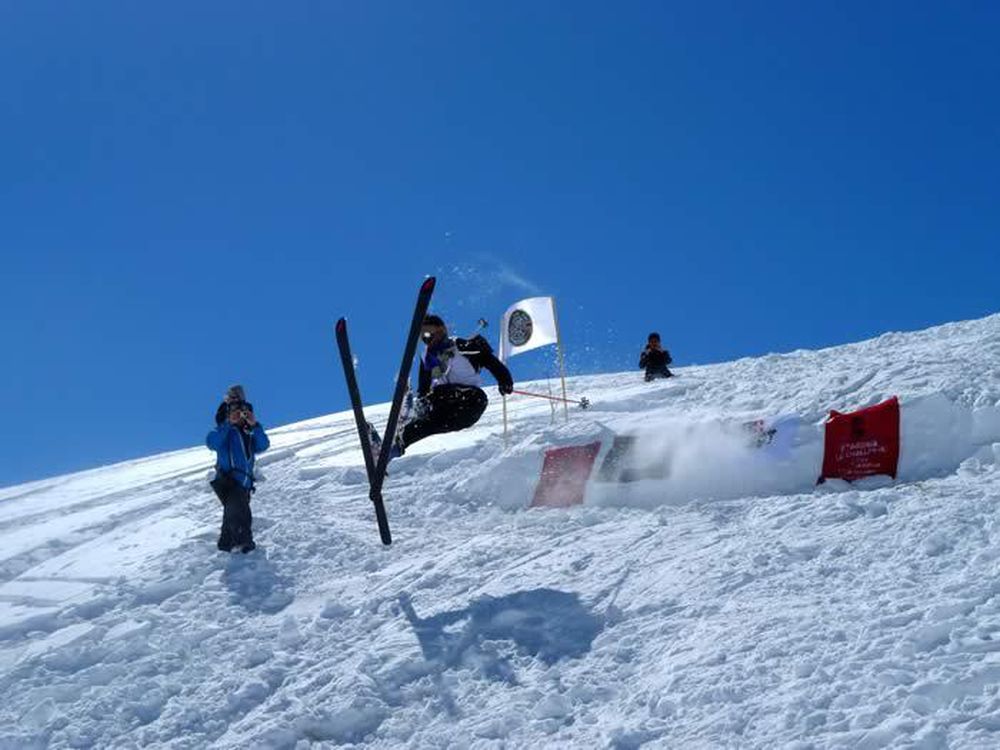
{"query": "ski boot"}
{"type": "Point", "coordinates": [374, 442]}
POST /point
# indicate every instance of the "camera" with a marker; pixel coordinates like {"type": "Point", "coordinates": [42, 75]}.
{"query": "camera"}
{"type": "Point", "coordinates": [239, 407]}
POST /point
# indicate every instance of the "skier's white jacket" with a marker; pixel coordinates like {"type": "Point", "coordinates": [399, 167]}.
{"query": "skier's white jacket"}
{"type": "Point", "coordinates": [458, 362]}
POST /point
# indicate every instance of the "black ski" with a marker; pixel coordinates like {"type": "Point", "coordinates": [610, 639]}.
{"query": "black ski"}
{"type": "Point", "coordinates": [403, 379]}
{"type": "Point", "coordinates": [347, 359]}
{"type": "Point", "coordinates": [376, 473]}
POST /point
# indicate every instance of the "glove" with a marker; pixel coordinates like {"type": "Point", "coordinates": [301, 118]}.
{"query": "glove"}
{"type": "Point", "coordinates": [505, 388]}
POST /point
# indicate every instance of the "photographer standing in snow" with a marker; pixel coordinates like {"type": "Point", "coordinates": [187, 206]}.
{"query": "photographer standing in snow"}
{"type": "Point", "coordinates": [654, 358]}
{"type": "Point", "coordinates": [237, 438]}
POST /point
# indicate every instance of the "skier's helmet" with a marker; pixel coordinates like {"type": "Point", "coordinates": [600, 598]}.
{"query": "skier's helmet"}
{"type": "Point", "coordinates": [431, 325]}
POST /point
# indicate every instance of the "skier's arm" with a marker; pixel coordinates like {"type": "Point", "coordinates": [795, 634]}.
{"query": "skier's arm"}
{"type": "Point", "coordinates": [485, 357]}
{"type": "Point", "coordinates": [643, 357]}
{"type": "Point", "coordinates": [221, 413]}
{"type": "Point", "coordinates": [505, 382]}
{"type": "Point", "coordinates": [667, 359]}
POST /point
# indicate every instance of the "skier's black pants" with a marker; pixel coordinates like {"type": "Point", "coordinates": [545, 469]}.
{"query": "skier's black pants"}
{"type": "Point", "coordinates": [237, 520]}
{"type": "Point", "coordinates": [450, 408]}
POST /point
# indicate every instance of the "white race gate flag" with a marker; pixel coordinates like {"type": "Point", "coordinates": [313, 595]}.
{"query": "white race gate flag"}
{"type": "Point", "coordinates": [527, 325]}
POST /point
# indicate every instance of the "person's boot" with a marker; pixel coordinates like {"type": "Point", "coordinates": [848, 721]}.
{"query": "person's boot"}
{"type": "Point", "coordinates": [397, 448]}
{"type": "Point", "coordinates": [374, 441]}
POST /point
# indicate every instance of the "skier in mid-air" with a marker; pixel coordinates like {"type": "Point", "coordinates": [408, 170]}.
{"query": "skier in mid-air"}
{"type": "Point", "coordinates": [449, 392]}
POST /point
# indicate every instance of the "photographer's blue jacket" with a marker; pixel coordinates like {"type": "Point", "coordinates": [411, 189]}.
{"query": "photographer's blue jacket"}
{"type": "Point", "coordinates": [235, 450]}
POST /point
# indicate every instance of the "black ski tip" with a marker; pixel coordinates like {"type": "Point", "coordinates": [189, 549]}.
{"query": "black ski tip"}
{"type": "Point", "coordinates": [428, 284]}
{"type": "Point", "coordinates": [341, 325]}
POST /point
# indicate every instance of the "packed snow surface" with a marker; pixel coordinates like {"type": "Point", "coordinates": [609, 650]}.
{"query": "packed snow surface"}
{"type": "Point", "coordinates": [732, 604]}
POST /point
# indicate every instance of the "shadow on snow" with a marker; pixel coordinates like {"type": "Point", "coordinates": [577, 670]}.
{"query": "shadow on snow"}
{"type": "Point", "coordinates": [255, 584]}
{"type": "Point", "coordinates": [546, 624]}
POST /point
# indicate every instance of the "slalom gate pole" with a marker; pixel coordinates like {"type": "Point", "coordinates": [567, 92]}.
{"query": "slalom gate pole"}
{"type": "Point", "coordinates": [505, 421]}
{"type": "Point", "coordinates": [583, 403]}
{"type": "Point", "coordinates": [562, 368]}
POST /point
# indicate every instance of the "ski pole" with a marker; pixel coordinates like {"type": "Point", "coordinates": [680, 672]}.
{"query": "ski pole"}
{"type": "Point", "coordinates": [583, 403]}
{"type": "Point", "coordinates": [481, 325]}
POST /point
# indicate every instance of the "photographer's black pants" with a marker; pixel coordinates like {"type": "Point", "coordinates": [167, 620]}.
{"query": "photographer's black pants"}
{"type": "Point", "coordinates": [451, 407]}
{"type": "Point", "coordinates": [236, 520]}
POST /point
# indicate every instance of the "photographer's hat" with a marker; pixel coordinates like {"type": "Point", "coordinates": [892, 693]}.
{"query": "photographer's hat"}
{"type": "Point", "coordinates": [235, 393]}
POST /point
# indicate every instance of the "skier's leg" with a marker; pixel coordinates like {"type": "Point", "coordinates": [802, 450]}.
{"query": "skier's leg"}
{"type": "Point", "coordinates": [468, 406]}
{"type": "Point", "coordinates": [429, 422]}
{"type": "Point", "coordinates": [451, 408]}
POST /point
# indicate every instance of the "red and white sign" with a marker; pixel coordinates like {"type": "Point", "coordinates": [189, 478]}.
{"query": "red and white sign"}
{"type": "Point", "coordinates": [564, 475]}
{"type": "Point", "coordinates": [862, 443]}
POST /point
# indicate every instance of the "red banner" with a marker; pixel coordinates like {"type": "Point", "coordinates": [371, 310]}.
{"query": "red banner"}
{"type": "Point", "coordinates": [564, 476]}
{"type": "Point", "coordinates": [862, 443]}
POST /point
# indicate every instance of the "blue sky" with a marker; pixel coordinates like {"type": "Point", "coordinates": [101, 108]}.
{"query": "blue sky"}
{"type": "Point", "coordinates": [192, 193]}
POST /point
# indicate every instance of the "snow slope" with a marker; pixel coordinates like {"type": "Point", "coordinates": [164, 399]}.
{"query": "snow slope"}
{"type": "Point", "coordinates": [733, 604]}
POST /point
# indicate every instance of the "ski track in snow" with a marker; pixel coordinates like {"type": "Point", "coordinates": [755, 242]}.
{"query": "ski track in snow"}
{"type": "Point", "coordinates": [731, 605]}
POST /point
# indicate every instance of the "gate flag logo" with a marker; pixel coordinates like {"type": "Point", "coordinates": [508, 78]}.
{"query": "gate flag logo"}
{"type": "Point", "coordinates": [519, 328]}
{"type": "Point", "coordinates": [527, 325]}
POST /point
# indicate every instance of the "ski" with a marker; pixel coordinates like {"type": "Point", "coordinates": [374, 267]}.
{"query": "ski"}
{"type": "Point", "coordinates": [403, 379]}
{"type": "Point", "coordinates": [347, 359]}
{"type": "Point", "coordinates": [377, 471]}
